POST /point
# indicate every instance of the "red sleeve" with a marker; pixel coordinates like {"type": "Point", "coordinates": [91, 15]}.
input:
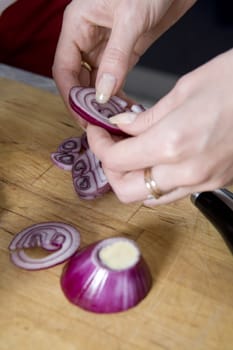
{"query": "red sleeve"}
{"type": "Point", "coordinates": [29, 31]}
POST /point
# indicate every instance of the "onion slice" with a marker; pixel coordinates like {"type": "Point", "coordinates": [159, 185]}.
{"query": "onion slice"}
{"type": "Point", "coordinates": [59, 238]}
{"type": "Point", "coordinates": [72, 144]}
{"type": "Point", "coordinates": [107, 277]}
{"type": "Point", "coordinates": [63, 160]}
{"type": "Point", "coordinates": [66, 152]}
{"type": "Point", "coordinates": [75, 155]}
{"type": "Point", "coordinates": [82, 101]}
{"type": "Point", "coordinates": [89, 179]}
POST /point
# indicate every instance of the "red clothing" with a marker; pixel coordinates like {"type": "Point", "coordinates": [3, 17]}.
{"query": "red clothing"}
{"type": "Point", "coordinates": [29, 30]}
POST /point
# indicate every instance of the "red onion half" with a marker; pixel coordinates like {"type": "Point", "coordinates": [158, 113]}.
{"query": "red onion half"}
{"type": "Point", "coordinates": [106, 277]}
{"type": "Point", "coordinates": [82, 101]}
{"type": "Point", "coordinates": [61, 239]}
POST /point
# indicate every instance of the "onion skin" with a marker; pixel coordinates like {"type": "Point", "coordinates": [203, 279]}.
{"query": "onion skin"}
{"type": "Point", "coordinates": [61, 239]}
{"type": "Point", "coordinates": [89, 284]}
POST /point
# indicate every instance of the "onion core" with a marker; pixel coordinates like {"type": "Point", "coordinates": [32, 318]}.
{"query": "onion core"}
{"type": "Point", "coordinates": [119, 255]}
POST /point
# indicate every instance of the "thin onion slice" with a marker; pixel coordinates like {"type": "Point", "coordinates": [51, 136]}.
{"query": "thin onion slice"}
{"type": "Point", "coordinates": [95, 279]}
{"type": "Point", "coordinates": [72, 144]}
{"type": "Point", "coordinates": [89, 179]}
{"type": "Point", "coordinates": [82, 101]}
{"type": "Point", "coordinates": [66, 153]}
{"type": "Point", "coordinates": [63, 160]}
{"type": "Point", "coordinates": [59, 238]}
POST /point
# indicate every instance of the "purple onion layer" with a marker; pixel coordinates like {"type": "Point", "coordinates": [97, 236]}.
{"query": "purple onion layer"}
{"type": "Point", "coordinates": [89, 284]}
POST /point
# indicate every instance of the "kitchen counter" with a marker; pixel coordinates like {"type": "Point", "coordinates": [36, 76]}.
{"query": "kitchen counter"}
{"type": "Point", "coordinates": [190, 305]}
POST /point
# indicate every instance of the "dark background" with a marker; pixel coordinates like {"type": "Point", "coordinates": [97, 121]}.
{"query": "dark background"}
{"type": "Point", "coordinates": [203, 32]}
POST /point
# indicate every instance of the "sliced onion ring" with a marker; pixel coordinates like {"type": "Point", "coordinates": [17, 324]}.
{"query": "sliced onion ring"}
{"type": "Point", "coordinates": [60, 238]}
{"type": "Point", "coordinates": [82, 101]}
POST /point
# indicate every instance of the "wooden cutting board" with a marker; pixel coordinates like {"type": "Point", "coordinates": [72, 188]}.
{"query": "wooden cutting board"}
{"type": "Point", "coordinates": [190, 305]}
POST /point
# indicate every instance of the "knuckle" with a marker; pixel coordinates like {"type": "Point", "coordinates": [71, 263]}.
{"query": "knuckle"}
{"type": "Point", "coordinates": [107, 161]}
{"type": "Point", "coordinates": [197, 174]}
{"type": "Point", "coordinates": [182, 87]}
{"type": "Point", "coordinates": [148, 118]}
{"type": "Point", "coordinates": [172, 148]}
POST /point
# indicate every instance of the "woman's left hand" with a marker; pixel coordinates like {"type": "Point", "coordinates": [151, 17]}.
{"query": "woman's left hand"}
{"type": "Point", "coordinates": [186, 139]}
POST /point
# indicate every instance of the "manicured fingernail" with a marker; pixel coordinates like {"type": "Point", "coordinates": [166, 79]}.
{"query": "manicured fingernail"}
{"type": "Point", "coordinates": [123, 118]}
{"type": "Point", "coordinates": [105, 87]}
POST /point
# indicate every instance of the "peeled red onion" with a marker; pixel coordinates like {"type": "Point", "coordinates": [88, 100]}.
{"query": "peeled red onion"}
{"type": "Point", "coordinates": [61, 239]}
{"type": "Point", "coordinates": [82, 101]}
{"type": "Point", "coordinates": [106, 277]}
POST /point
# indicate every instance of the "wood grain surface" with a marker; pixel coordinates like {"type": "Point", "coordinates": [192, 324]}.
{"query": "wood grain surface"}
{"type": "Point", "coordinates": [190, 305]}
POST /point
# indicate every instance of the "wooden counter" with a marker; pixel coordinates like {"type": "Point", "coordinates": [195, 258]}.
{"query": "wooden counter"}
{"type": "Point", "coordinates": [190, 305]}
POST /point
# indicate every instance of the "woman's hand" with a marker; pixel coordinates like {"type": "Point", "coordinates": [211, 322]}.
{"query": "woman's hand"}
{"type": "Point", "coordinates": [186, 138]}
{"type": "Point", "coordinates": [110, 35]}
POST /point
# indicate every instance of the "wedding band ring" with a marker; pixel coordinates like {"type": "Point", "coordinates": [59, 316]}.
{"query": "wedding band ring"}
{"type": "Point", "coordinates": [151, 185]}
{"type": "Point", "coordinates": [86, 65]}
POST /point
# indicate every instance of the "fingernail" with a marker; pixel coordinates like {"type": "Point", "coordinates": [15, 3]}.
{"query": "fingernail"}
{"type": "Point", "coordinates": [123, 118]}
{"type": "Point", "coordinates": [105, 87]}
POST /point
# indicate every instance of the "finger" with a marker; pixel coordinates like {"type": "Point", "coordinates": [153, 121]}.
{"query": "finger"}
{"type": "Point", "coordinates": [144, 150]}
{"type": "Point", "coordinates": [169, 197]}
{"type": "Point", "coordinates": [125, 46]}
{"type": "Point", "coordinates": [124, 155]}
{"type": "Point", "coordinates": [137, 123]}
{"type": "Point", "coordinates": [172, 181]}
{"type": "Point", "coordinates": [66, 68]}
{"type": "Point", "coordinates": [98, 139]}
{"type": "Point", "coordinates": [77, 36]}
{"type": "Point", "coordinates": [130, 187]}
{"type": "Point", "coordinates": [117, 56]}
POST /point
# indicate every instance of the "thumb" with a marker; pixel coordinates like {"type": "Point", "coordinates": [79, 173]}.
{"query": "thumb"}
{"type": "Point", "coordinates": [134, 123]}
{"type": "Point", "coordinates": [117, 59]}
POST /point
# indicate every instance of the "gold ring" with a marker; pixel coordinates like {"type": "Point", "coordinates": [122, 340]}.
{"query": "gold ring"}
{"type": "Point", "coordinates": [86, 65]}
{"type": "Point", "coordinates": [151, 185]}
